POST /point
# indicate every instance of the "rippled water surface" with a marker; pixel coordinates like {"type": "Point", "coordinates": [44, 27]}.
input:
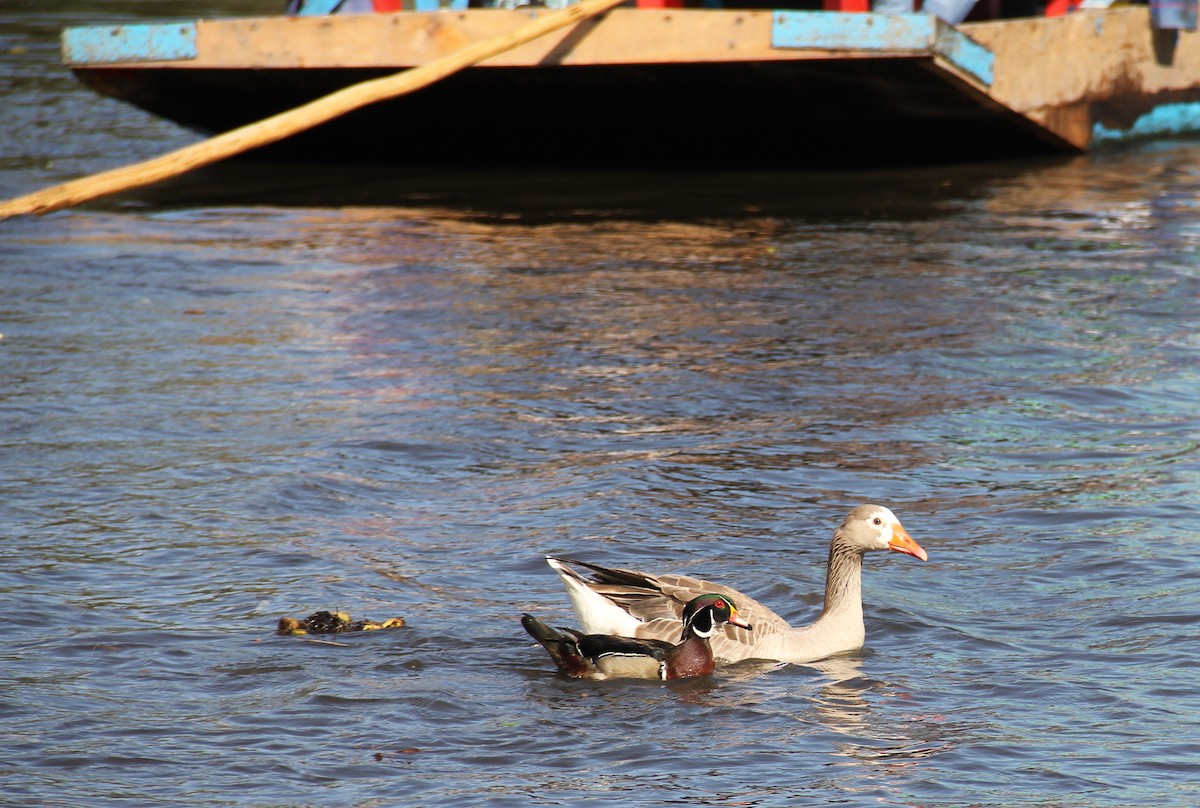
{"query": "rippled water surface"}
{"type": "Point", "coordinates": [214, 415]}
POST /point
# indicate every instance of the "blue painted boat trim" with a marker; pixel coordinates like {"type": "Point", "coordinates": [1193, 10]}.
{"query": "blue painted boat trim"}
{"type": "Point", "coordinates": [834, 30]}
{"type": "Point", "coordinates": [901, 34]}
{"type": "Point", "coordinates": [965, 53]}
{"type": "Point", "coordinates": [1168, 119]}
{"type": "Point", "coordinates": [115, 44]}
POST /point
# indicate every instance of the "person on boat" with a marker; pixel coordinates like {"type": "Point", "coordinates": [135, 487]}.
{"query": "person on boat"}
{"type": "Point", "coordinates": [308, 8]}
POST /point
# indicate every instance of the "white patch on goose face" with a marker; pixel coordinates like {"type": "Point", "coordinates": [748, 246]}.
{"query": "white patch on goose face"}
{"type": "Point", "coordinates": [884, 525]}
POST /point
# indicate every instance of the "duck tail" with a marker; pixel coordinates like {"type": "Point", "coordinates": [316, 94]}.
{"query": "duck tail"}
{"type": "Point", "coordinates": [562, 645]}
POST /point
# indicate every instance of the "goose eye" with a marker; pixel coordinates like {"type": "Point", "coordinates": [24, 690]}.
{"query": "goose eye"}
{"type": "Point", "coordinates": [877, 521]}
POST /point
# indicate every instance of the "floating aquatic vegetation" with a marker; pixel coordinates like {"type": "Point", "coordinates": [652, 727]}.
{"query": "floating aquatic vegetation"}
{"type": "Point", "coordinates": [325, 622]}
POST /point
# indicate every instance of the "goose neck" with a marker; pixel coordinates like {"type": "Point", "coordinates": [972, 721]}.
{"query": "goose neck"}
{"type": "Point", "coordinates": [843, 579]}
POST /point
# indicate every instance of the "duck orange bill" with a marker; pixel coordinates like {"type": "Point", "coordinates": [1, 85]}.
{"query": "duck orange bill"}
{"type": "Point", "coordinates": [736, 620]}
{"type": "Point", "coordinates": [903, 543]}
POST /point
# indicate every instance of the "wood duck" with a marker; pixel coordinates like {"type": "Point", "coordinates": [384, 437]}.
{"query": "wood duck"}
{"type": "Point", "coordinates": [645, 606]}
{"type": "Point", "coordinates": [601, 656]}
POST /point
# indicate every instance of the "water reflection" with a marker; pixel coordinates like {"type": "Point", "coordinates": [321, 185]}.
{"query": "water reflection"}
{"type": "Point", "coordinates": [764, 201]}
{"type": "Point", "coordinates": [846, 707]}
{"type": "Point", "coordinates": [216, 416]}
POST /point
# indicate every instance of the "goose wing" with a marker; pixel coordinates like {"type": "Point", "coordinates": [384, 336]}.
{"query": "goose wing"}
{"type": "Point", "coordinates": [658, 600]}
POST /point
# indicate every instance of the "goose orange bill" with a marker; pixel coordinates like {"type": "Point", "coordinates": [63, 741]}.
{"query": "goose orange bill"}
{"type": "Point", "coordinates": [903, 543]}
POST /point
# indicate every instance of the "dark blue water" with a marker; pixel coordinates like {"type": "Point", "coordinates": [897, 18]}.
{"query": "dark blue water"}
{"type": "Point", "coordinates": [215, 415]}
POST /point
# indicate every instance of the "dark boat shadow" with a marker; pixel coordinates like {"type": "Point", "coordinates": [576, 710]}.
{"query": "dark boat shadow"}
{"type": "Point", "coordinates": [545, 196]}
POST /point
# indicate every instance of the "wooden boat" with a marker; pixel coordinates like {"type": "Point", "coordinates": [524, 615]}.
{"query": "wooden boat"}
{"type": "Point", "coordinates": [689, 88]}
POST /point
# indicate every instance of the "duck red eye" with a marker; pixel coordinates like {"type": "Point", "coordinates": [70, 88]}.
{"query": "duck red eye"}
{"type": "Point", "coordinates": [720, 604]}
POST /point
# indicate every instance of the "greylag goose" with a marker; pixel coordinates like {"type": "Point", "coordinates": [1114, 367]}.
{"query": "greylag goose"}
{"type": "Point", "coordinates": [637, 604]}
{"type": "Point", "coordinates": [602, 656]}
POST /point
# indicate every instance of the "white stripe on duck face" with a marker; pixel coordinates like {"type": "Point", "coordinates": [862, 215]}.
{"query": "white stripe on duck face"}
{"type": "Point", "coordinates": [702, 624]}
{"type": "Point", "coordinates": [631, 665]}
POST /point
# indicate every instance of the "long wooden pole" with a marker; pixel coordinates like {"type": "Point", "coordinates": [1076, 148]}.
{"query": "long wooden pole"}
{"type": "Point", "coordinates": [277, 127]}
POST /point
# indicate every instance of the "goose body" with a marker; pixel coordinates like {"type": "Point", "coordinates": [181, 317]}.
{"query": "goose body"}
{"type": "Point", "coordinates": [602, 656]}
{"type": "Point", "coordinates": [650, 607]}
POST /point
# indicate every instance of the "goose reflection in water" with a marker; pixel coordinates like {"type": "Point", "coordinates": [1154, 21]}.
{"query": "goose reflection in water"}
{"type": "Point", "coordinates": [847, 705]}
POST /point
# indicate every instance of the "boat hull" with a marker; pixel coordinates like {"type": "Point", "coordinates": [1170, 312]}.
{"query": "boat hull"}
{"type": "Point", "coordinates": [693, 89]}
{"type": "Point", "coordinates": [746, 115]}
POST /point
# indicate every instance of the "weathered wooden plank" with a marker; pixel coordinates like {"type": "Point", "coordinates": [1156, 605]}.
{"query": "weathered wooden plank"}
{"type": "Point", "coordinates": [1084, 56]}
{"type": "Point", "coordinates": [640, 36]}
{"type": "Point", "coordinates": [624, 36]}
{"type": "Point", "coordinates": [1095, 75]}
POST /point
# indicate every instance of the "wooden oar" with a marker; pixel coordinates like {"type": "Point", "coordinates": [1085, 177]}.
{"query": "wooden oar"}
{"type": "Point", "coordinates": [294, 120]}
